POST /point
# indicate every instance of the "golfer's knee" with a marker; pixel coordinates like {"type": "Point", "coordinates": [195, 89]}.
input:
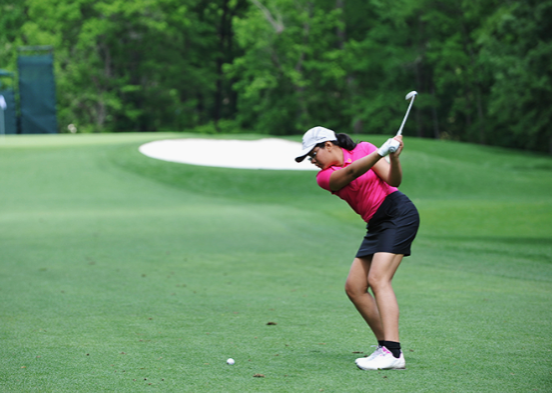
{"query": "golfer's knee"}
{"type": "Point", "coordinates": [378, 283]}
{"type": "Point", "coordinates": [354, 290]}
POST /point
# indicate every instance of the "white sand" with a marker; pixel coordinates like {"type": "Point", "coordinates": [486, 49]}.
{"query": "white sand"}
{"type": "Point", "coordinates": [269, 153]}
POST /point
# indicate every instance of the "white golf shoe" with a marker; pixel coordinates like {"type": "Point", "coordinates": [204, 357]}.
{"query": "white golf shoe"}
{"type": "Point", "coordinates": [383, 360]}
{"type": "Point", "coordinates": [372, 356]}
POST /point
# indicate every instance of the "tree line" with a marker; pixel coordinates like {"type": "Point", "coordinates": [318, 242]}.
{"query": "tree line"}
{"type": "Point", "coordinates": [482, 68]}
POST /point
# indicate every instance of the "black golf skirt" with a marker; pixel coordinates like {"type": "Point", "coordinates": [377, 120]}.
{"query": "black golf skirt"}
{"type": "Point", "coordinates": [393, 228]}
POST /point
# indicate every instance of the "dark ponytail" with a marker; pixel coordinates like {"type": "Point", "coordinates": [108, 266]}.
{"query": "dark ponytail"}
{"type": "Point", "coordinates": [345, 141]}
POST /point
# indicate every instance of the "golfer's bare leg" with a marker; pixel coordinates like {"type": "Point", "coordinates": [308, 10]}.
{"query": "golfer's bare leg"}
{"type": "Point", "coordinates": [382, 270]}
{"type": "Point", "coordinates": [356, 288]}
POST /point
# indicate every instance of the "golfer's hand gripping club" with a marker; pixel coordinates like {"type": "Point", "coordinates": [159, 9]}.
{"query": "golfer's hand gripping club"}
{"type": "Point", "coordinates": [393, 149]}
{"type": "Point", "coordinates": [390, 146]}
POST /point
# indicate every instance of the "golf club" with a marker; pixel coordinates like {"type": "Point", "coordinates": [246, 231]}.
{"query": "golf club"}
{"type": "Point", "coordinates": [410, 96]}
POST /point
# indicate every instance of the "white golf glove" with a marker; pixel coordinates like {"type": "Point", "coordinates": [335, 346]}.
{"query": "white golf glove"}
{"type": "Point", "coordinates": [390, 146]}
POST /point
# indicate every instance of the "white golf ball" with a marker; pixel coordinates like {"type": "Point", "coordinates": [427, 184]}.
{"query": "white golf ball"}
{"type": "Point", "coordinates": [230, 361]}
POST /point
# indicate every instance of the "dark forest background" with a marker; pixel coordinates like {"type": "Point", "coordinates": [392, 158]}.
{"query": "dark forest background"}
{"type": "Point", "coordinates": [482, 67]}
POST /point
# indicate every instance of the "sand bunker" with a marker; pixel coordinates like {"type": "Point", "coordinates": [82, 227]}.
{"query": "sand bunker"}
{"type": "Point", "coordinates": [269, 153]}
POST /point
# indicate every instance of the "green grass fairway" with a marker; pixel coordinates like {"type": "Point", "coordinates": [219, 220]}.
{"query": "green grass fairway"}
{"type": "Point", "coordinates": [123, 273]}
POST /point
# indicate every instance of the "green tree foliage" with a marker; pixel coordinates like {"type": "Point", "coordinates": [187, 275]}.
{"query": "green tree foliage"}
{"type": "Point", "coordinates": [482, 67]}
{"type": "Point", "coordinates": [140, 65]}
{"type": "Point", "coordinates": [447, 68]}
{"type": "Point", "coordinates": [517, 46]}
{"type": "Point", "coordinates": [12, 17]}
{"type": "Point", "coordinates": [290, 74]}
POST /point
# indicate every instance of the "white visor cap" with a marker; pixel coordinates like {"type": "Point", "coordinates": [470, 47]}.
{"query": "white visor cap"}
{"type": "Point", "coordinates": [313, 137]}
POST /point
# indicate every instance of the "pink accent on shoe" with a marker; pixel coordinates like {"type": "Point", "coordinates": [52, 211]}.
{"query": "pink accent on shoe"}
{"type": "Point", "coordinates": [385, 350]}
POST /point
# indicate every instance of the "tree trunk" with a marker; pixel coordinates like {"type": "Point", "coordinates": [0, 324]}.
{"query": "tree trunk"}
{"type": "Point", "coordinates": [419, 77]}
{"type": "Point", "coordinates": [341, 35]}
{"type": "Point", "coordinates": [340, 32]}
{"type": "Point", "coordinates": [276, 23]}
{"type": "Point", "coordinates": [468, 47]}
{"type": "Point", "coordinates": [200, 108]}
{"type": "Point", "coordinates": [418, 72]}
{"type": "Point", "coordinates": [101, 114]}
{"type": "Point", "coordinates": [222, 33]}
{"type": "Point", "coordinates": [303, 112]}
{"type": "Point", "coordinates": [436, 133]}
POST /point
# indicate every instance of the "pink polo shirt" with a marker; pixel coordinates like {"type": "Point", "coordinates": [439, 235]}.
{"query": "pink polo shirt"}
{"type": "Point", "coordinates": [366, 193]}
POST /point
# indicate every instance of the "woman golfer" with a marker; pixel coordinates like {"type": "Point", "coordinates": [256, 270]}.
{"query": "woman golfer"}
{"type": "Point", "coordinates": [357, 174]}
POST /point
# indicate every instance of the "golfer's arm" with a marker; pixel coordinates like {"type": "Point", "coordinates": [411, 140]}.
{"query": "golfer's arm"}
{"type": "Point", "coordinates": [395, 171]}
{"type": "Point", "coordinates": [344, 176]}
{"type": "Point", "coordinates": [390, 172]}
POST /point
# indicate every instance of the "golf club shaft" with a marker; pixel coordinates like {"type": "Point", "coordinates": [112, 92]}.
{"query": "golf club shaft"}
{"type": "Point", "coordinates": [406, 116]}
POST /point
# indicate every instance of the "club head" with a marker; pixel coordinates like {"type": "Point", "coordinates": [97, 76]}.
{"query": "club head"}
{"type": "Point", "coordinates": [411, 95]}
